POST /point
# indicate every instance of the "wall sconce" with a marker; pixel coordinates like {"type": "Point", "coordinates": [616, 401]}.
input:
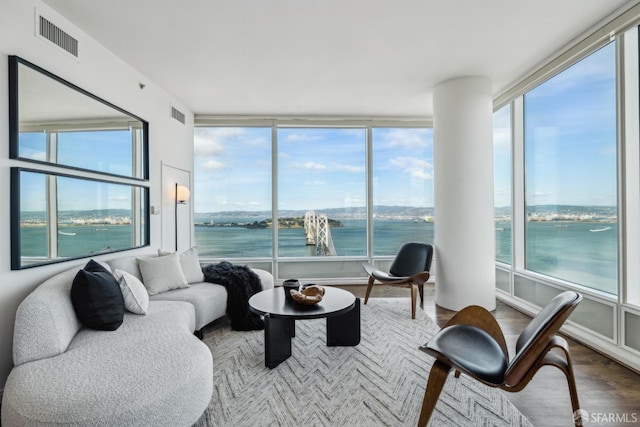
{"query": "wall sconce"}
{"type": "Point", "coordinates": [182, 194]}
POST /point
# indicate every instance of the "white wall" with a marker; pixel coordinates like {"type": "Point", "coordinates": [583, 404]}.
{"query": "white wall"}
{"type": "Point", "coordinates": [102, 73]}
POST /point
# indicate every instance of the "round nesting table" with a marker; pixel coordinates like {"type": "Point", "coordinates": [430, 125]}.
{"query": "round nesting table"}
{"type": "Point", "coordinates": [341, 309]}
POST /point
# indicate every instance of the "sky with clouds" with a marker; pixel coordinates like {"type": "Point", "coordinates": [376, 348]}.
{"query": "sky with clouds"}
{"type": "Point", "coordinates": [73, 194]}
{"type": "Point", "coordinates": [570, 134]}
{"type": "Point", "coordinates": [318, 168]}
{"type": "Point", "coordinates": [107, 151]}
{"type": "Point", "coordinates": [570, 137]}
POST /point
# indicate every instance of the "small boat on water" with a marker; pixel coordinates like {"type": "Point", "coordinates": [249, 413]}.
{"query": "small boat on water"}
{"type": "Point", "coordinates": [597, 230]}
{"type": "Point", "coordinates": [66, 233]}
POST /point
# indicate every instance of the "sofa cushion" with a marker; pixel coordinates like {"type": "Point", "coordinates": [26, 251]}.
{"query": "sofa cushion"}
{"type": "Point", "coordinates": [136, 298]}
{"type": "Point", "coordinates": [190, 263]}
{"type": "Point", "coordinates": [152, 371]}
{"type": "Point", "coordinates": [162, 274]}
{"type": "Point", "coordinates": [96, 298]}
{"type": "Point", "coordinates": [128, 263]}
{"type": "Point", "coordinates": [208, 299]}
{"type": "Point", "coordinates": [266, 278]}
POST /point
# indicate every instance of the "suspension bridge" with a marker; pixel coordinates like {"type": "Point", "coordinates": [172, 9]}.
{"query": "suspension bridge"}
{"type": "Point", "coordinates": [318, 233]}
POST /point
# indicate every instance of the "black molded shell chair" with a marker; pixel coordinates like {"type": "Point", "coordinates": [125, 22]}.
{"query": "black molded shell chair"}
{"type": "Point", "coordinates": [473, 343]}
{"type": "Point", "coordinates": [409, 269]}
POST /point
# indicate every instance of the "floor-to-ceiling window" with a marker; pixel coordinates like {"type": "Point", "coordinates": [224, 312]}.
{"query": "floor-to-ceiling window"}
{"type": "Point", "coordinates": [502, 182]}
{"type": "Point", "coordinates": [232, 191]}
{"type": "Point", "coordinates": [342, 193]}
{"type": "Point", "coordinates": [575, 189]}
{"type": "Point", "coordinates": [571, 173]}
{"type": "Point", "coordinates": [402, 176]}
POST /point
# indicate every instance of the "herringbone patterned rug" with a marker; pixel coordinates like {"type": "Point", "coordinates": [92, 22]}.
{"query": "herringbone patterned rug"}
{"type": "Point", "coordinates": [380, 382]}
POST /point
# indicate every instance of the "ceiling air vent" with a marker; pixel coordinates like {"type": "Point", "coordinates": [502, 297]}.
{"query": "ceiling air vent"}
{"type": "Point", "coordinates": [51, 32]}
{"type": "Point", "coordinates": [177, 114]}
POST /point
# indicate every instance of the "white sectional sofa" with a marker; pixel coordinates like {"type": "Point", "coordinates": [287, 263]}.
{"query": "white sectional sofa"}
{"type": "Point", "coordinates": [151, 371]}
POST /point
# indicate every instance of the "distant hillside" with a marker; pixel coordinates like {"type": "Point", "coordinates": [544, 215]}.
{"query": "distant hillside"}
{"type": "Point", "coordinates": [333, 213]}
{"type": "Point", "coordinates": [573, 210]}
{"type": "Point", "coordinates": [402, 212]}
{"type": "Point", "coordinates": [88, 214]}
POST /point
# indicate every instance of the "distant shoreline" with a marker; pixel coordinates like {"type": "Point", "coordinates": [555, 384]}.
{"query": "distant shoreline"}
{"type": "Point", "coordinates": [44, 224]}
{"type": "Point", "coordinates": [283, 223]}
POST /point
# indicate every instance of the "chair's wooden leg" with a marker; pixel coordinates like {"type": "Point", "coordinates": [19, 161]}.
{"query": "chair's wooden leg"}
{"type": "Point", "coordinates": [562, 363]}
{"type": "Point", "coordinates": [414, 296]}
{"type": "Point", "coordinates": [437, 378]}
{"type": "Point", "coordinates": [566, 367]}
{"type": "Point", "coordinates": [421, 290]}
{"type": "Point", "coordinates": [369, 286]}
{"type": "Point", "coordinates": [573, 392]}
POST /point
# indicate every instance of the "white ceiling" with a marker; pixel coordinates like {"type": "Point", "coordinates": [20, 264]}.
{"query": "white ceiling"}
{"type": "Point", "coordinates": [356, 58]}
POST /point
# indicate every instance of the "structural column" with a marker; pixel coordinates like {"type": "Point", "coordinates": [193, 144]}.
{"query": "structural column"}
{"type": "Point", "coordinates": [463, 177]}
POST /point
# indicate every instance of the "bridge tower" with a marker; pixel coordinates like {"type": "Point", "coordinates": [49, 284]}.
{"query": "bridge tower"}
{"type": "Point", "coordinates": [324, 242]}
{"type": "Point", "coordinates": [310, 228]}
{"type": "Point", "coordinates": [317, 233]}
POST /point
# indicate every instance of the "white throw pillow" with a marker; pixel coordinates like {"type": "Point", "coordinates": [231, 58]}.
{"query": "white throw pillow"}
{"type": "Point", "coordinates": [136, 297]}
{"type": "Point", "coordinates": [162, 274]}
{"type": "Point", "coordinates": [190, 264]}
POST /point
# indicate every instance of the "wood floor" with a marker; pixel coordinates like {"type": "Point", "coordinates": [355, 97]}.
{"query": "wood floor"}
{"type": "Point", "coordinates": [607, 390]}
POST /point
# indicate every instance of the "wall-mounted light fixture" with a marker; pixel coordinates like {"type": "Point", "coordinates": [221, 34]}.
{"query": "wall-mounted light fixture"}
{"type": "Point", "coordinates": [182, 194]}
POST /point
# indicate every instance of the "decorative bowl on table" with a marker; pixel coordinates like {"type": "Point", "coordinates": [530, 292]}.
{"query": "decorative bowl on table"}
{"type": "Point", "coordinates": [310, 295]}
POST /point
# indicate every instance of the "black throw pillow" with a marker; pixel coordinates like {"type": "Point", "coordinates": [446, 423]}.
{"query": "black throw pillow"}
{"type": "Point", "coordinates": [97, 298]}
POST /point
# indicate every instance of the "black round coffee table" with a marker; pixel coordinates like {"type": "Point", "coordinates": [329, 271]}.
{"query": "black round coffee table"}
{"type": "Point", "coordinates": [341, 309]}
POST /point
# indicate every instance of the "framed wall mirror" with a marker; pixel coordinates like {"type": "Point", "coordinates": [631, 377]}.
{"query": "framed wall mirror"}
{"type": "Point", "coordinates": [56, 217]}
{"type": "Point", "coordinates": [100, 204]}
{"type": "Point", "coordinates": [52, 121]}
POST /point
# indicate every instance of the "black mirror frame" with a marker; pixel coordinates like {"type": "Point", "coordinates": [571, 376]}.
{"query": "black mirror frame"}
{"type": "Point", "coordinates": [14, 119]}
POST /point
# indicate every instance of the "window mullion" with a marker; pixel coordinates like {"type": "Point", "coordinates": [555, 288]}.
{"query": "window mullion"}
{"type": "Point", "coordinates": [52, 216]}
{"type": "Point", "coordinates": [369, 180]}
{"type": "Point", "coordinates": [518, 185]}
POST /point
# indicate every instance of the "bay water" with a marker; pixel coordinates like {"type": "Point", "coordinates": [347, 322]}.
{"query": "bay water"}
{"type": "Point", "coordinates": [581, 252]}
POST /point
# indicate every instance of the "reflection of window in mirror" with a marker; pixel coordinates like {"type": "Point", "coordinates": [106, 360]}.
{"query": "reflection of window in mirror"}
{"type": "Point", "coordinates": [61, 217]}
{"type": "Point", "coordinates": [110, 151]}
{"type": "Point", "coordinates": [57, 217]}
{"type": "Point", "coordinates": [33, 145]}
{"type": "Point", "coordinates": [54, 121]}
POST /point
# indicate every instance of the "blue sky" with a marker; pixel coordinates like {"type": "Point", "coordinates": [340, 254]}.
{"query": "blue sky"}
{"type": "Point", "coordinates": [73, 194]}
{"type": "Point", "coordinates": [570, 134]}
{"type": "Point", "coordinates": [318, 168]}
{"type": "Point", "coordinates": [570, 137]}
{"type": "Point", "coordinates": [108, 151]}
{"type": "Point", "coordinates": [502, 156]}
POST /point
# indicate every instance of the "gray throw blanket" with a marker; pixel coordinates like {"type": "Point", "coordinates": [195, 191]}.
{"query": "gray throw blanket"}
{"type": "Point", "coordinates": [241, 283]}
